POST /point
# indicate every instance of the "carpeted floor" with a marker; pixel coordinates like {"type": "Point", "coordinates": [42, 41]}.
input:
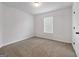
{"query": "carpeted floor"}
{"type": "Point", "coordinates": [39, 47]}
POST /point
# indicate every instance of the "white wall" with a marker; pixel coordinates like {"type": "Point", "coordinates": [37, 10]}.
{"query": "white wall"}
{"type": "Point", "coordinates": [62, 25]}
{"type": "Point", "coordinates": [17, 26]}
{"type": "Point", "coordinates": [1, 24]}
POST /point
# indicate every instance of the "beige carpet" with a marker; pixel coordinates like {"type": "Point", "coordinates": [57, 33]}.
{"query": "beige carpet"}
{"type": "Point", "coordinates": [39, 47]}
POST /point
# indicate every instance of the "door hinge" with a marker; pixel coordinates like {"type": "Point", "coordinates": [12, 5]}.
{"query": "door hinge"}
{"type": "Point", "coordinates": [74, 12]}
{"type": "Point", "coordinates": [74, 43]}
{"type": "Point", "coordinates": [73, 27]}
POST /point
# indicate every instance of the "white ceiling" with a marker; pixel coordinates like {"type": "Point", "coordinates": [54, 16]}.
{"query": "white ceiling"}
{"type": "Point", "coordinates": [45, 6]}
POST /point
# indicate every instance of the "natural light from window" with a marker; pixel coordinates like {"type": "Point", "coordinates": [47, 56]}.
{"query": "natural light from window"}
{"type": "Point", "coordinates": [48, 24]}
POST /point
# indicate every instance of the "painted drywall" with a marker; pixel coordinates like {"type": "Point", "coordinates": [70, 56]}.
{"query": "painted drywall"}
{"type": "Point", "coordinates": [17, 25]}
{"type": "Point", "coordinates": [62, 25]}
{"type": "Point", "coordinates": [1, 24]}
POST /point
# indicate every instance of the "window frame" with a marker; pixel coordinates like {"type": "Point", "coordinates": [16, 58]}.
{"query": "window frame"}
{"type": "Point", "coordinates": [51, 19]}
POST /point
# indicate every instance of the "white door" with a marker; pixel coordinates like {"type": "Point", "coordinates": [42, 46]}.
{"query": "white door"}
{"type": "Point", "coordinates": [76, 27]}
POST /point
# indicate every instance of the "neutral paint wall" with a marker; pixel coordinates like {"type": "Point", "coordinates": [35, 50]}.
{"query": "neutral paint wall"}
{"type": "Point", "coordinates": [1, 24]}
{"type": "Point", "coordinates": [62, 23]}
{"type": "Point", "coordinates": [17, 26]}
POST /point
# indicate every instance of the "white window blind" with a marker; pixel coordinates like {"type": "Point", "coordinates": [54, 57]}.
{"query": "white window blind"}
{"type": "Point", "coordinates": [48, 24]}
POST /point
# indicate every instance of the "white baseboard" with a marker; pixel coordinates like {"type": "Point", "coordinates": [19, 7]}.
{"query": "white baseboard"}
{"type": "Point", "coordinates": [56, 39]}
{"type": "Point", "coordinates": [1, 45]}
{"type": "Point", "coordinates": [28, 36]}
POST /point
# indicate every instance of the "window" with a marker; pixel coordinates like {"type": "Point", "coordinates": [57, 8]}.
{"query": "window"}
{"type": "Point", "coordinates": [48, 24]}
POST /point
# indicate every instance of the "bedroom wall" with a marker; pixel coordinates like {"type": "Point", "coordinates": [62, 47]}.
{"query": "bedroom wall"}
{"type": "Point", "coordinates": [1, 24]}
{"type": "Point", "coordinates": [62, 25]}
{"type": "Point", "coordinates": [18, 25]}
